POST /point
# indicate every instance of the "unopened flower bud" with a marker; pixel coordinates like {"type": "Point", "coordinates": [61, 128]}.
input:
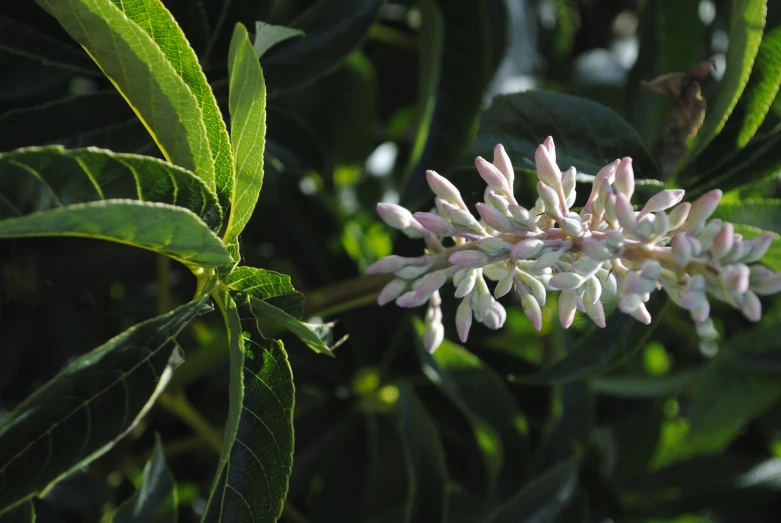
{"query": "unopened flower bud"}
{"type": "Point", "coordinates": [492, 176]}
{"type": "Point", "coordinates": [494, 218]}
{"type": "Point", "coordinates": [708, 233]}
{"type": "Point", "coordinates": [466, 283]}
{"type": "Point", "coordinates": [568, 303]}
{"type": "Point", "coordinates": [722, 242]}
{"type": "Point", "coordinates": [408, 300]}
{"type": "Point", "coordinates": [389, 264]}
{"type": "Point", "coordinates": [663, 200]}
{"type": "Point", "coordinates": [463, 220]}
{"type": "Point", "coordinates": [532, 310]}
{"type": "Point", "coordinates": [701, 312]}
{"type": "Point", "coordinates": [641, 314]}
{"type": "Point", "coordinates": [495, 317]}
{"type": "Point", "coordinates": [759, 247]}
{"type": "Point", "coordinates": [735, 278]}
{"type": "Point", "coordinates": [533, 285]}
{"type": "Point", "coordinates": [550, 199]}
{"type": "Point", "coordinates": [505, 285]}
{"type": "Point", "coordinates": [572, 226]}
{"type": "Point", "coordinates": [392, 290]}
{"type": "Point", "coordinates": [548, 259]}
{"type": "Point", "coordinates": [702, 209]}
{"type": "Point", "coordinates": [625, 214]}
{"type": "Point", "coordinates": [568, 184]}
{"type": "Point", "coordinates": [526, 249]}
{"type": "Point", "coordinates": [679, 214]}
{"type": "Point", "coordinates": [469, 259]}
{"type": "Point", "coordinates": [497, 201]}
{"type": "Point", "coordinates": [596, 312]}
{"type": "Point", "coordinates": [503, 163]}
{"type": "Point", "coordinates": [625, 178]}
{"type": "Point", "coordinates": [661, 223]}
{"type": "Point", "coordinates": [593, 290]}
{"type": "Point", "coordinates": [770, 284]}
{"type": "Point", "coordinates": [464, 319]}
{"type": "Point", "coordinates": [431, 283]}
{"type": "Point", "coordinates": [586, 265]}
{"type": "Point", "coordinates": [650, 269]}
{"type": "Point", "coordinates": [608, 280]}
{"type": "Point", "coordinates": [547, 170]}
{"type": "Point", "coordinates": [681, 249]}
{"type": "Point", "coordinates": [491, 245]}
{"type": "Point", "coordinates": [434, 223]}
{"type": "Point", "coordinates": [443, 188]}
{"type": "Point", "coordinates": [394, 215]}
{"type": "Point", "coordinates": [566, 281]}
{"type": "Point", "coordinates": [751, 308]}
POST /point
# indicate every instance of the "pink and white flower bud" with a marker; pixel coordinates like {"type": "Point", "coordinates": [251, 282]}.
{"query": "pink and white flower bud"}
{"type": "Point", "coordinates": [641, 314]}
{"type": "Point", "coordinates": [505, 285]}
{"type": "Point", "coordinates": [681, 249]}
{"type": "Point", "coordinates": [572, 226]}
{"type": "Point", "coordinates": [492, 245]}
{"type": "Point", "coordinates": [663, 200]}
{"type": "Point", "coordinates": [722, 242]}
{"type": "Point", "coordinates": [392, 290]}
{"type": "Point", "coordinates": [568, 179]}
{"type": "Point", "coordinates": [770, 284]}
{"type": "Point", "coordinates": [493, 217]}
{"type": "Point", "coordinates": [630, 302]}
{"type": "Point", "coordinates": [702, 312]}
{"type": "Point", "coordinates": [492, 176]}
{"type": "Point", "coordinates": [431, 284]}
{"type": "Point", "coordinates": [410, 272]}
{"type": "Point", "coordinates": [625, 214]}
{"type": "Point", "coordinates": [464, 319]}
{"type": "Point", "coordinates": [593, 290]}
{"type": "Point", "coordinates": [678, 215]}
{"type": "Point", "coordinates": [533, 285]}
{"type": "Point", "coordinates": [586, 265]}
{"type": "Point", "coordinates": [408, 300]}
{"type": "Point", "coordinates": [737, 252]}
{"type": "Point", "coordinates": [547, 170]}
{"type": "Point", "coordinates": [548, 259]}
{"type": "Point", "coordinates": [696, 245]}
{"type": "Point", "coordinates": [433, 336]}
{"type": "Point", "coordinates": [466, 284]}
{"type": "Point", "coordinates": [568, 304]}
{"type": "Point", "coordinates": [550, 198]}
{"type": "Point", "coordinates": [735, 278]}
{"type": "Point", "coordinates": [394, 215]}
{"type": "Point", "coordinates": [759, 247]}
{"type": "Point", "coordinates": [469, 259]}
{"type": "Point", "coordinates": [497, 201]}
{"type": "Point", "coordinates": [532, 310]}
{"type": "Point", "coordinates": [596, 312]}
{"type": "Point", "coordinates": [609, 282]}
{"type": "Point", "coordinates": [702, 209]}
{"type": "Point", "coordinates": [495, 317]}
{"type": "Point", "coordinates": [443, 188]}
{"type": "Point", "coordinates": [625, 178]}
{"type": "Point", "coordinates": [596, 249]}
{"type": "Point", "coordinates": [434, 223]}
{"type": "Point", "coordinates": [503, 163]}
{"type": "Point", "coordinates": [526, 249]}
{"type": "Point", "coordinates": [464, 220]}
{"type": "Point", "coordinates": [752, 307]}
{"type": "Point", "coordinates": [661, 223]}
{"type": "Point", "coordinates": [650, 269]}
{"type": "Point", "coordinates": [566, 281]}
{"type": "Point", "coordinates": [389, 264]}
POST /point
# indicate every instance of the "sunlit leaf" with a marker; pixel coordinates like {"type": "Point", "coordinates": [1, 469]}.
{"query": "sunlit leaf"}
{"type": "Point", "coordinates": [267, 36]}
{"type": "Point", "coordinates": [309, 334]}
{"type": "Point", "coordinates": [268, 286]}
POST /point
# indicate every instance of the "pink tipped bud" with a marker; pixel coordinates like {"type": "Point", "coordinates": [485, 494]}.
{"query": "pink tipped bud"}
{"type": "Point", "coordinates": [593, 290]}
{"type": "Point", "coordinates": [408, 300]}
{"type": "Point", "coordinates": [465, 284]}
{"type": "Point", "coordinates": [547, 170]}
{"type": "Point", "coordinates": [394, 215]}
{"type": "Point", "coordinates": [497, 201]}
{"type": "Point", "coordinates": [752, 307]}
{"type": "Point", "coordinates": [625, 214]}
{"type": "Point", "coordinates": [625, 178]}
{"type": "Point", "coordinates": [388, 264]}
{"type": "Point", "coordinates": [572, 226]}
{"type": "Point", "coordinates": [630, 303]}
{"type": "Point", "coordinates": [493, 217]}
{"type": "Point", "coordinates": [391, 291]}
{"type": "Point", "coordinates": [431, 283]}
{"type": "Point", "coordinates": [566, 281]}
{"type": "Point", "coordinates": [550, 198]}
{"type": "Point", "coordinates": [641, 314]}
{"type": "Point", "coordinates": [651, 269]}
{"type": "Point", "coordinates": [492, 245]}
{"type": "Point", "coordinates": [586, 265]}
{"type": "Point", "coordinates": [596, 249]}
{"type": "Point", "coordinates": [663, 200]}
{"type": "Point", "coordinates": [492, 176]}
{"type": "Point", "coordinates": [433, 336]}
{"type": "Point", "coordinates": [679, 214]}
{"type": "Point", "coordinates": [443, 188]}
{"type": "Point", "coordinates": [548, 259]}
{"type": "Point", "coordinates": [736, 278]}
{"type": "Point", "coordinates": [505, 285]}
{"type": "Point", "coordinates": [532, 310]}
{"type": "Point", "coordinates": [503, 163]}
{"type": "Point", "coordinates": [526, 249]}
{"type": "Point", "coordinates": [568, 184]}
{"type": "Point", "coordinates": [469, 259]}
{"type": "Point", "coordinates": [681, 249]}
{"type": "Point", "coordinates": [759, 247]}
{"type": "Point", "coordinates": [568, 304]}
{"type": "Point", "coordinates": [596, 312]}
{"type": "Point", "coordinates": [434, 223]}
{"type": "Point", "coordinates": [702, 209]}
{"type": "Point", "coordinates": [464, 319]}
{"type": "Point", "coordinates": [701, 312]}
{"type": "Point", "coordinates": [722, 242]}
{"type": "Point", "coordinates": [767, 285]}
{"type": "Point", "coordinates": [551, 146]}
{"type": "Point", "coordinates": [495, 317]}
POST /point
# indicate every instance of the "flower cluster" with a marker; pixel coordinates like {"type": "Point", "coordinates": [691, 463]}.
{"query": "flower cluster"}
{"type": "Point", "coordinates": [607, 246]}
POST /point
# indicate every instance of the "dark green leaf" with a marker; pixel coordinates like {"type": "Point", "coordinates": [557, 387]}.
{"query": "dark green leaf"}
{"type": "Point", "coordinates": [332, 29]}
{"type": "Point", "coordinates": [599, 350]}
{"type": "Point", "coordinates": [248, 130]}
{"type": "Point", "coordinates": [388, 475]}
{"type": "Point", "coordinates": [89, 406]}
{"type": "Point", "coordinates": [142, 50]}
{"type": "Point", "coordinates": [39, 179]}
{"type": "Point", "coordinates": [746, 23]}
{"type": "Point", "coordinates": [427, 459]}
{"type": "Point", "coordinates": [587, 135]}
{"type": "Point", "coordinates": [642, 386]}
{"type": "Point", "coordinates": [252, 478]}
{"type": "Point", "coordinates": [22, 40]}
{"type": "Point", "coordinates": [311, 335]}
{"type": "Point", "coordinates": [267, 286]}
{"type": "Point", "coordinates": [544, 498]}
{"type": "Point", "coordinates": [155, 500]}
{"type": "Point", "coordinates": [454, 72]}
{"type": "Point", "coordinates": [267, 36]}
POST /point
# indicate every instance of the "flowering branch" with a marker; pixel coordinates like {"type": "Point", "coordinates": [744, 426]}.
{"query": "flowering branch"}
{"type": "Point", "coordinates": [608, 246]}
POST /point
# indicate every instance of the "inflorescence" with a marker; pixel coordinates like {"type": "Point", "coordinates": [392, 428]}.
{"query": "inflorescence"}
{"type": "Point", "coordinates": [607, 246]}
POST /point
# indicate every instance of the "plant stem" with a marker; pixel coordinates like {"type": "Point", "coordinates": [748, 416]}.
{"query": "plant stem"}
{"type": "Point", "coordinates": [344, 296]}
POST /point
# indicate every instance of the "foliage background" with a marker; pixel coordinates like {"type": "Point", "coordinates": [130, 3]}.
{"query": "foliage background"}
{"type": "Point", "coordinates": [668, 423]}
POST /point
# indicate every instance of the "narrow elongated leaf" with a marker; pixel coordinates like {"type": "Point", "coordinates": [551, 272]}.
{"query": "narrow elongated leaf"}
{"type": "Point", "coordinates": [427, 460]}
{"type": "Point", "coordinates": [267, 286]}
{"type": "Point", "coordinates": [22, 40]}
{"type": "Point", "coordinates": [454, 74]}
{"type": "Point", "coordinates": [587, 135]}
{"type": "Point", "coordinates": [164, 93]}
{"type": "Point", "coordinates": [307, 333]}
{"type": "Point", "coordinates": [257, 458]}
{"type": "Point", "coordinates": [248, 130]}
{"type": "Point", "coordinates": [42, 178]}
{"type": "Point", "coordinates": [332, 29]}
{"type": "Point", "coordinates": [267, 36]}
{"type": "Point", "coordinates": [600, 350]}
{"type": "Point", "coordinates": [87, 407]}
{"type": "Point", "coordinates": [746, 24]}
{"type": "Point", "coordinates": [155, 500]}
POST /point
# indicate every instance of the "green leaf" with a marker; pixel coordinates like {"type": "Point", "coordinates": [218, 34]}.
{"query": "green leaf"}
{"type": "Point", "coordinates": [39, 179]}
{"type": "Point", "coordinates": [587, 135]}
{"type": "Point", "coordinates": [600, 350]}
{"type": "Point", "coordinates": [454, 73]}
{"type": "Point", "coordinates": [500, 428]}
{"type": "Point", "coordinates": [270, 286]}
{"type": "Point", "coordinates": [248, 130]}
{"type": "Point", "coordinates": [544, 498]}
{"type": "Point", "coordinates": [752, 218]}
{"type": "Point", "coordinates": [156, 499]}
{"type": "Point", "coordinates": [709, 168]}
{"type": "Point", "coordinates": [144, 53]}
{"type": "Point", "coordinates": [746, 24]}
{"type": "Point", "coordinates": [642, 386]}
{"type": "Point", "coordinates": [332, 29]}
{"type": "Point", "coordinates": [22, 40]}
{"type": "Point", "coordinates": [257, 458]}
{"type": "Point", "coordinates": [89, 406]}
{"type": "Point", "coordinates": [308, 333]}
{"type": "Point", "coordinates": [427, 461]}
{"type": "Point", "coordinates": [267, 36]}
